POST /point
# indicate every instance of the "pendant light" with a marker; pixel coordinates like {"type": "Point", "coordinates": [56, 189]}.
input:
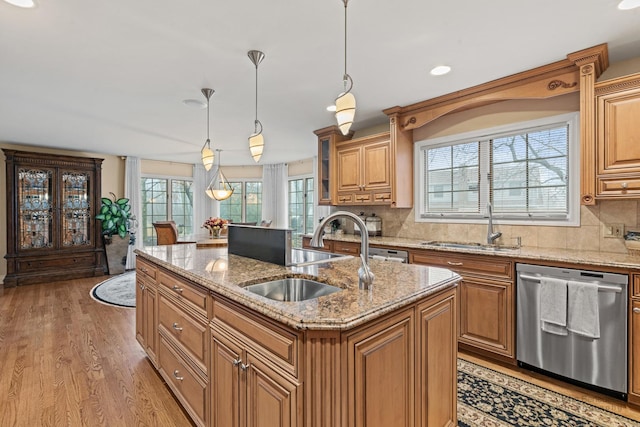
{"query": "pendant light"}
{"type": "Point", "coordinates": [256, 140]}
{"type": "Point", "coordinates": [219, 188]}
{"type": "Point", "coordinates": [207, 153]}
{"type": "Point", "coordinates": [346, 102]}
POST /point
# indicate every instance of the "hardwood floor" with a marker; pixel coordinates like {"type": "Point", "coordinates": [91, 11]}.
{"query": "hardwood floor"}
{"type": "Point", "coordinates": [596, 399]}
{"type": "Point", "coordinates": [67, 360]}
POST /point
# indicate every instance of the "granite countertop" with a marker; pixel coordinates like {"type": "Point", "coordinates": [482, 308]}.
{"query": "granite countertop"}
{"type": "Point", "coordinates": [589, 258]}
{"type": "Point", "coordinates": [396, 285]}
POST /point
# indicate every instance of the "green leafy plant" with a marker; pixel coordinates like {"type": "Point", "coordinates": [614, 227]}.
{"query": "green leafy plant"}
{"type": "Point", "coordinates": [115, 215]}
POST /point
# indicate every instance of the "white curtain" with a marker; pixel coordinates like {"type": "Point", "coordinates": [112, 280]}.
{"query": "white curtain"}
{"type": "Point", "coordinates": [132, 191]}
{"type": "Point", "coordinates": [275, 194]}
{"type": "Point", "coordinates": [203, 205]}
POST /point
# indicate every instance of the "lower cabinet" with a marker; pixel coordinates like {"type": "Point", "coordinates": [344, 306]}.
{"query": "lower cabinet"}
{"type": "Point", "coordinates": [146, 310]}
{"type": "Point", "coordinates": [634, 347]}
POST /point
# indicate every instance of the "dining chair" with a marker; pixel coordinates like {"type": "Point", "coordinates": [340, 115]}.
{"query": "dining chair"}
{"type": "Point", "coordinates": [167, 233]}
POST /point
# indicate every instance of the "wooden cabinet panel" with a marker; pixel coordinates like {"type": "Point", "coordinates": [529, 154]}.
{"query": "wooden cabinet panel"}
{"type": "Point", "coordinates": [187, 386]}
{"type": "Point", "coordinates": [348, 248]}
{"type": "Point", "coordinates": [635, 285]}
{"type": "Point", "coordinates": [146, 316]}
{"type": "Point", "coordinates": [634, 352]}
{"type": "Point", "coordinates": [437, 382]}
{"type": "Point", "coordinates": [490, 267]}
{"type": "Point", "coordinates": [380, 359]}
{"type": "Point", "coordinates": [327, 245]}
{"type": "Point", "coordinates": [225, 383]}
{"type": "Point", "coordinates": [272, 401]}
{"type": "Point", "coordinates": [486, 315]}
{"type": "Point", "coordinates": [146, 269]}
{"type": "Point", "coordinates": [376, 171]}
{"type": "Point", "coordinates": [349, 169]}
{"type": "Point", "coordinates": [327, 139]}
{"type": "Point", "coordinates": [619, 187]}
{"type": "Point", "coordinates": [185, 329]}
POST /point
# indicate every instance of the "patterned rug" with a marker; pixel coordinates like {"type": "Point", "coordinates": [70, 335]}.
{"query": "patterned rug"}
{"type": "Point", "coordinates": [119, 290]}
{"type": "Point", "coordinates": [490, 399]}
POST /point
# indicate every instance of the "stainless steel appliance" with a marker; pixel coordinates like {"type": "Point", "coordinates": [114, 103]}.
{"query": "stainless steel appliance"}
{"type": "Point", "coordinates": [599, 363]}
{"type": "Point", "coordinates": [389, 255]}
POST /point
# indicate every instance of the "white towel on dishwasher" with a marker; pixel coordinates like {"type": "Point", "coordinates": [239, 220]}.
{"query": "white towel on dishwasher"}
{"type": "Point", "coordinates": [380, 257]}
{"type": "Point", "coordinates": [553, 305]}
{"type": "Point", "coordinates": [583, 316]}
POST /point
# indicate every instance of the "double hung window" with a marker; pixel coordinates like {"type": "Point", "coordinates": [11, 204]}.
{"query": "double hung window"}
{"type": "Point", "coordinates": [166, 199]}
{"type": "Point", "coordinates": [245, 204]}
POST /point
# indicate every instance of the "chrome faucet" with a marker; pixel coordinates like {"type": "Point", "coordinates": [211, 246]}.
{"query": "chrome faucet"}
{"type": "Point", "coordinates": [491, 236]}
{"type": "Point", "coordinates": [365, 276]}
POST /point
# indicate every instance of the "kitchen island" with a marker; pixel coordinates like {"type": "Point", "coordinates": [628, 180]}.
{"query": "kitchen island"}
{"type": "Point", "coordinates": [386, 356]}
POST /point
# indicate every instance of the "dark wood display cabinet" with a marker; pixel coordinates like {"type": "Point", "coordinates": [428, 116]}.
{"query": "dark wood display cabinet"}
{"type": "Point", "coordinates": [51, 231]}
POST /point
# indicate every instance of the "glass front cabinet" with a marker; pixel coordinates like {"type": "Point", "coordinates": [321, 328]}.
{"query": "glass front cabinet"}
{"type": "Point", "coordinates": [51, 231]}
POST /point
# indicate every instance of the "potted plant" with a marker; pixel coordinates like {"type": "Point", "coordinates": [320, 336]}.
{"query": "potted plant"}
{"type": "Point", "coordinates": [115, 216]}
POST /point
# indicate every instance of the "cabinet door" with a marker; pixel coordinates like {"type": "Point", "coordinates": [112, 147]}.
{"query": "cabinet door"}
{"type": "Point", "coordinates": [36, 208]}
{"type": "Point", "coordinates": [634, 368]}
{"type": "Point", "coordinates": [618, 132]}
{"type": "Point", "coordinates": [486, 315]}
{"type": "Point", "coordinates": [380, 366]}
{"type": "Point", "coordinates": [150, 321]}
{"type": "Point", "coordinates": [75, 202]}
{"type": "Point", "coordinates": [436, 402]}
{"type": "Point", "coordinates": [140, 313]}
{"type": "Point", "coordinates": [324, 170]}
{"type": "Point", "coordinates": [376, 173]}
{"type": "Point", "coordinates": [272, 400]}
{"type": "Point", "coordinates": [349, 167]}
{"type": "Point", "coordinates": [225, 400]}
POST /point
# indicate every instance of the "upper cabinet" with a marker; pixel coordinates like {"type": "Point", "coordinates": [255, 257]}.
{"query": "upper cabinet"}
{"type": "Point", "coordinates": [372, 170]}
{"type": "Point", "coordinates": [618, 137]}
{"type": "Point", "coordinates": [51, 203]}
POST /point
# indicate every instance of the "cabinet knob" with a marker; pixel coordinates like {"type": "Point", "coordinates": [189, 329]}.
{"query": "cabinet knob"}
{"type": "Point", "coordinates": [141, 286]}
{"type": "Point", "coordinates": [177, 288]}
{"type": "Point", "coordinates": [176, 375]}
{"type": "Point", "coordinates": [636, 310]}
{"type": "Point", "coordinates": [176, 327]}
{"type": "Point", "coordinates": [236, 362]}
{"type": "Point", "coordinates": [245, 367]}
{"type": "Point", "coordinates": [624, 185]}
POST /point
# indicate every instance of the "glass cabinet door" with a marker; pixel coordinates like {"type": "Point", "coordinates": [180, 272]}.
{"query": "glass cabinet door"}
{"type": "Point", "coordinates": [35, 210]}
{"type": "Point", "coordinates": [76, 215]}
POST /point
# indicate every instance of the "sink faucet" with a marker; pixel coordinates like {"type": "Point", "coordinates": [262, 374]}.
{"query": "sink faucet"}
{"type": "Point", "coordinates": [491, 236]}
{"type": "Point", "coordinates": [365, 276]}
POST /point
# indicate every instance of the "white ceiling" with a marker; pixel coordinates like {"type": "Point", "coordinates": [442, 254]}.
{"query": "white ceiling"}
{"type": "Point", "coordinates": [110, 76]}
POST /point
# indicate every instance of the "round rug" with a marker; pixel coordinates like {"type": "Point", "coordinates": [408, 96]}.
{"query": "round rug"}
{"type": "Point", "coordinates": [119, 291]}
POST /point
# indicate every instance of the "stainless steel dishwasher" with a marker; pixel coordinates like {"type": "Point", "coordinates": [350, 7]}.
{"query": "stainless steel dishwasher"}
{"type": "Point", "coordinates": [597, 363]}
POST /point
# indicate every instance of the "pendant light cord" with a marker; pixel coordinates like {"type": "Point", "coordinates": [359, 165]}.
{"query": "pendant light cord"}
{"type": "Point", "coordinates": [345, 44]}
{"type": "Point", "coordinates": [255, 123]}
{"type": "Point", "coordinates": [208, 114]}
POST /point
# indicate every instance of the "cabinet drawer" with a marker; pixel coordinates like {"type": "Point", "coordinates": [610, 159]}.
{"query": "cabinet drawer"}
{"type": "Point", "coordinates": [279, 345]}
{"type": "Point", "coordinates": [618, 186]}
{"type": "Point", "coordinates": [635, 285]}
{"type": "Point", "coordinates": [184, 291]}
{"type": "Point", "coordinates": [363, 197]}
{"type": "Point", "coordinates": [145, 268]}
{"type": "Point", "coordinates": [66, 262]}
{"type": "Point", "coordinates": [188, 387]}
{"type": "Point", "coordinates": [327, 245]}
{"type": "Point", "coordinates": [346, 248]}
{"type": "Point", "coordinates": [384, 197]}
{"type": "Point", "coordinates": [188, 331]}
{"type": "Point", "coordinates": [491, 267]}
{"type": "Point", "coordinates": [345, 198]}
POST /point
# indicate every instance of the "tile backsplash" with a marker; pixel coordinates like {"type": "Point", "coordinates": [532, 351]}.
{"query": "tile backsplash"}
{"type": "Point", "coordinates": [589, 236]}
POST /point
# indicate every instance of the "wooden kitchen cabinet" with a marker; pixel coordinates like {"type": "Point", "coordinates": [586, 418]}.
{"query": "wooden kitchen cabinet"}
{"type": "Point", "coordinates": [346, 248]}
{"type": "Point", "coordinates": [486, 305]}
{"type": "Point", "coordinates": [634, 341]}
{"type": "Point", "coordinates": [618, 137]}
{"type": "Point", "coordinates": [249, 385]}
{"type": "Point", "coordinates": [51, 231]}
{"type": "Point", "coordinates": [327, 245]}
{"type": "Point", "coordinates": [327, 138]}
{"type": "Point", "coordinates": [146, 308]}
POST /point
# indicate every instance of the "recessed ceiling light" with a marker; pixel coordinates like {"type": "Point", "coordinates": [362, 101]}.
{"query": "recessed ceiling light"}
{"type": "Point", "coordinates": [195, 103]}
{"type": "Point", "coordinates": [331, 108]}
{"type": "Point", "coordinates": [26, 4]}
{"type": "Point", "coordinates": [440, 70]}
{"type": "Point", "coordinates": [628, 4]}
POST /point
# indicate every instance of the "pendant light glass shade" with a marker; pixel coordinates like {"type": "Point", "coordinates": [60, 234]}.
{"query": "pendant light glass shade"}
{"type": "Point", "coordinates": [346, 101]}
{"type": "Point", "coordinates": [256, 140]}
{"type": "Point", "coordinates": [206, 152]}
{"type": "Point", "coordinates": [219, 188]}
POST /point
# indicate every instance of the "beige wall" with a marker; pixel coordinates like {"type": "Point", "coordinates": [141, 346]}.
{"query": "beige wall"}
{"type": "Point", "coordinates": [301, 167]}
{"type": "Point", "coordinates": [589, 236]}
{"type": "Point", "coordinates": [112, 182]}
{"type": "Point", "coordinates": [620, 69]}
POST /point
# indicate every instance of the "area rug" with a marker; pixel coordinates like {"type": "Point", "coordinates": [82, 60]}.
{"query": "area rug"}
{"type": "Point", "coordinates": [491, 399]}
{"type": "Point", "coordinates": [119, 291]}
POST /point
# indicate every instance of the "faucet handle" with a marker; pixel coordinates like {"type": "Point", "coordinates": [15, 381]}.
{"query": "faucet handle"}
{"type": "Point", "coordinates": [365, 275]}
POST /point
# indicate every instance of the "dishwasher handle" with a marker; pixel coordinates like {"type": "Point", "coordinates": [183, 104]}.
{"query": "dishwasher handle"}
{"type": "Point", "coordinates": [601, 288]}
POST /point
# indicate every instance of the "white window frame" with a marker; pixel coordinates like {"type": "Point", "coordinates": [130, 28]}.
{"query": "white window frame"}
{"type": "Point", "coordinates": [572, 219]}
{"type": "Point", "coordinates": [244, 182]}
{"type": "Point", "coordinates": [304, 177]}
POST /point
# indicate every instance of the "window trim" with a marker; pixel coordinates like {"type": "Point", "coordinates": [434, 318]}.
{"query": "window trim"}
{"type": "Point", "coordinates": [244, 195]}
{"type": "Point", "coordinates": [572, 219]}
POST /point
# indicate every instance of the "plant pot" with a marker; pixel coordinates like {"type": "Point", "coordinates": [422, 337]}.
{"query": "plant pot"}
{"type": "Point", "coordinates": [116, 249]}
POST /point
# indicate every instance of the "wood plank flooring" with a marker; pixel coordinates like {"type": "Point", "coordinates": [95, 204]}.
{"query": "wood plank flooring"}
{"type": "Point", "coordinates": [67, 360]}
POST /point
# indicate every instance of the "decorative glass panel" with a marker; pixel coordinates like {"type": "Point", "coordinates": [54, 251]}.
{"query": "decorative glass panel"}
{"type": "Point", "coordinates": [34, 203]}
{"type": "Point", "coordinates": [76, 211]}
